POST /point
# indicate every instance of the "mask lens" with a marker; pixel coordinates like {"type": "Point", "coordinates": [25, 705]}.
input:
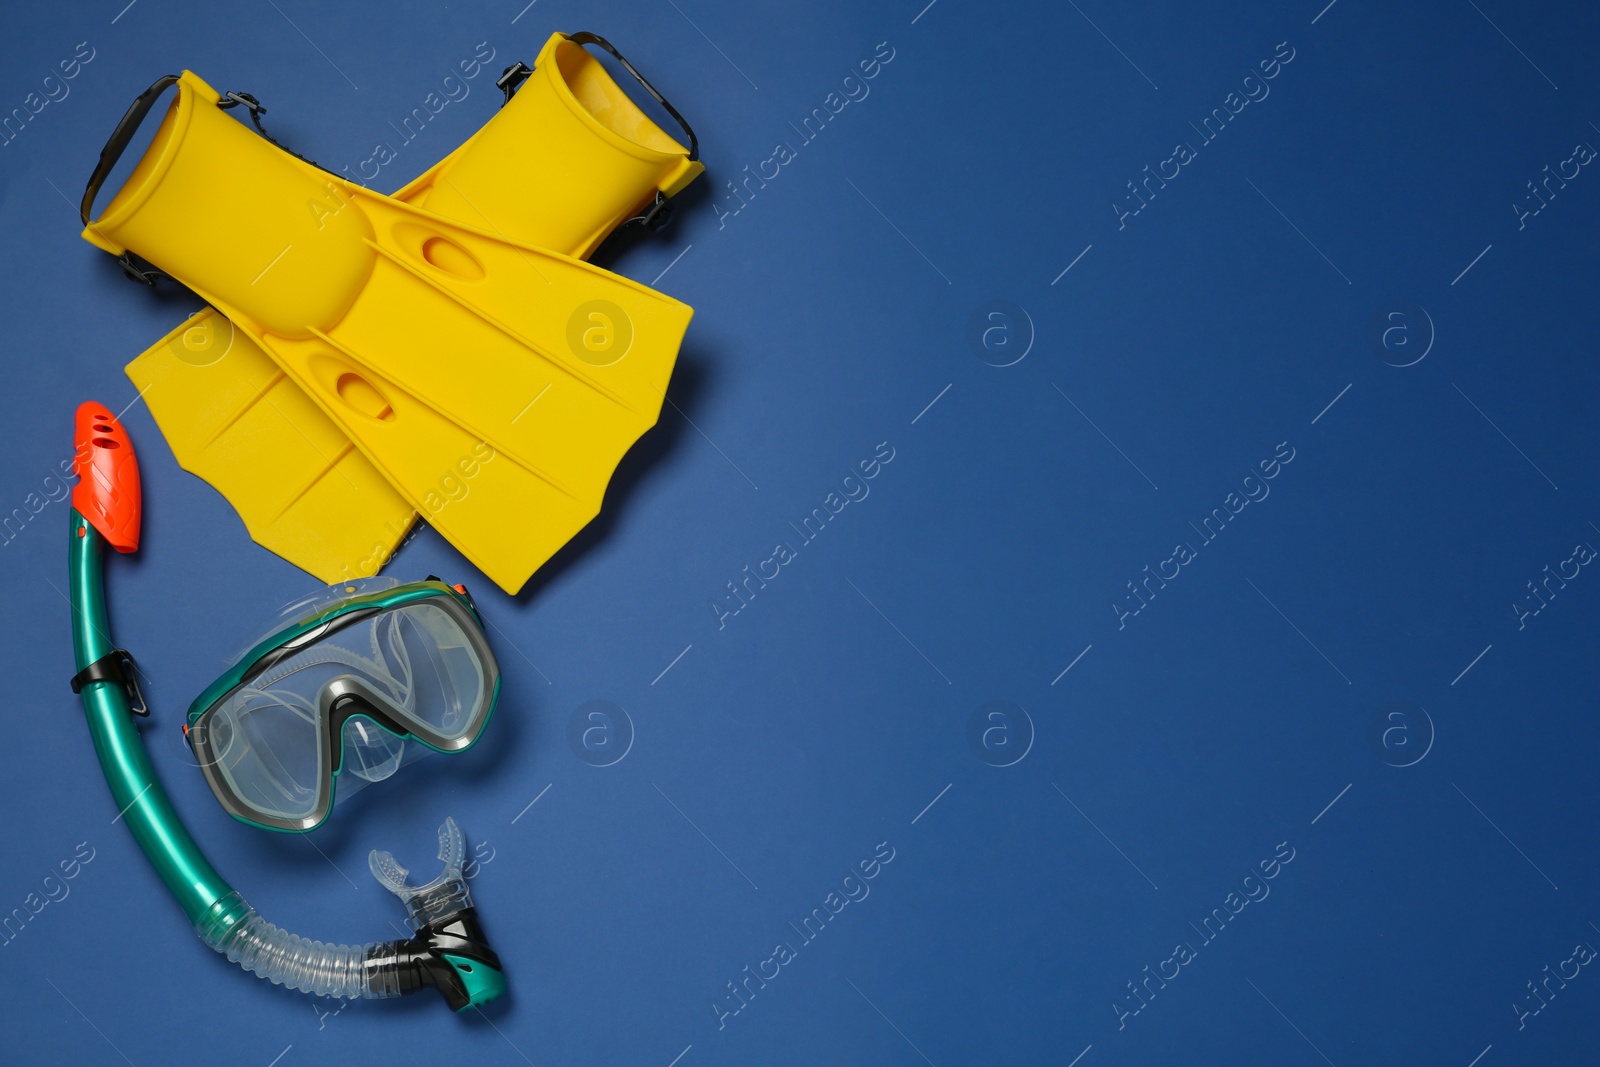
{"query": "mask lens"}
{"type": "Point", "coordinates": [265, 748]}
{"type": "Point", "coordinates": [445, 671]}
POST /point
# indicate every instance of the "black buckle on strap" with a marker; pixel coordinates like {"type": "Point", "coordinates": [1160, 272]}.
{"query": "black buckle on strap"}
{"type": "Point", "coordinates": [233, 99]}
{"type": "Point", "coordinates": [133, 271]}
{"type": "Point", "coordinates": [655, 216]}
{"type": "Point", "coordinates": [512, 78]}
{"type": "Point", "coordinates": [115, 666]}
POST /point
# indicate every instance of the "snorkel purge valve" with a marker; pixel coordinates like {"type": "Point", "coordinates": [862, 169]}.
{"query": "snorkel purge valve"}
{"type": "Point", "coordinates": [448, 951]}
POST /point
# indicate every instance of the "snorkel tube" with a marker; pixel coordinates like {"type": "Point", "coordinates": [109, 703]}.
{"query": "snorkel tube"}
{"type": "Point", "coordinates": [448, 951]}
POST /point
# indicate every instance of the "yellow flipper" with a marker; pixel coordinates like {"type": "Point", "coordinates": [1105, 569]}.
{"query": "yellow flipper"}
{"type": "Point", "coordinates": [566, 161]}
{"type": "Point", "coordinates": [492, 384]}
{"type": "Point", "coordinates": [234, 418]}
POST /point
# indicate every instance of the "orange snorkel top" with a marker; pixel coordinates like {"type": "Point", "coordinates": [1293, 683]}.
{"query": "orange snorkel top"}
{"type": "Point", "coordinates": [107, 493]}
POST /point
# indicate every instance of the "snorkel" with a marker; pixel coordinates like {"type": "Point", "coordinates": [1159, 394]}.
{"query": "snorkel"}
{"type": "Point", "coordinates": [448, 951]}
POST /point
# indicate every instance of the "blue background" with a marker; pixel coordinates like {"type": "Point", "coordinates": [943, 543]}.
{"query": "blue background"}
{"type": "Point", "coordinates": [847, 705]}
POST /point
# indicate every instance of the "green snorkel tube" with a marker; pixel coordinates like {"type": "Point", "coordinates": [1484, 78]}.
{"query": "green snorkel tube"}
{"type": "Point", "coordinates": [448, 951]}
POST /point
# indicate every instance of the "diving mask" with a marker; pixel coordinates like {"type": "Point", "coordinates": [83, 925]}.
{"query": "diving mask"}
{"type": "Point", "coordinates": [347, 685]}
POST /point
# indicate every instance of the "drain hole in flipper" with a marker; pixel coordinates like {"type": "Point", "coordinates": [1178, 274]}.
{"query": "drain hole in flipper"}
{"type": "Point", "coordinates": [362, 396]}
{"type": "Point", "coordinates": [445, 254]}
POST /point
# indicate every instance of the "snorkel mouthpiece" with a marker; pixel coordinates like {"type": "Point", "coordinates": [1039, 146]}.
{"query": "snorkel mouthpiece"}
{"type": "Point", "coordinates": [449, 950]}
